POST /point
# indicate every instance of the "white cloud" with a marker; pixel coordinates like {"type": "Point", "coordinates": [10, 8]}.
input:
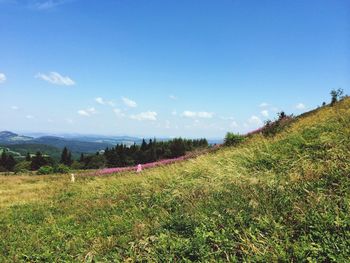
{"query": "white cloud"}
{"type": "Point", "coordinates": [145, 116]}
{"type": "Point", "coordinates": [227, 118]}
{"type": "Point", "coordinates": [30, 117]}
{"type": "Point", "coordinates": [189, 114]}
{"type": "Point", "coordinates": [130, 103]}
{"type": "Point", "coordinates": [2, 78]}
{"type": "Point", "coordinates": [118, 113]}
{"type": "Point", "coordinates": [265, 113]}
{"type": "Point", "coordinates": [101, 101]}
{"type": "Point", "coordinates": [173, 97]}
{"type": "Point", "coordinates": [255, 120]}
{"type": "Point", "coordinates": [200, 114]}
{"type": "Point", "coordinates": [83, 113]}
{"type": "Point", "coordinates": [14, 108]}
{"type": "Point", "coordinates": [174, 113]}
{"type": "Point", "coordinates": [47, 4]}
{"type": "Point", "coordinates": [56, 79]}
{"type": "Point", "coordinates": [88, 112]}
{"type": "Point", "coordinates": [203, 114]}
{"type": "Point", "coordinates": [263, 105]}
{"type": "Point", "coordinates": [300, 106]}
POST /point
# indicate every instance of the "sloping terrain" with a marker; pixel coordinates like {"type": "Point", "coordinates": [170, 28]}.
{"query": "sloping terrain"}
{"type": "Point", "coordinates": [283, 198]}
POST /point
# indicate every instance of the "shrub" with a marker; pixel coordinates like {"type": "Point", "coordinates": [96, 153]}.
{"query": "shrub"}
{"type": "Point", "coordinates": [77, 165]}
{"type": "Point", "coordinates": [45, 170]}
{"type": "Point", "coordinates": [336, 95]}
{"type": "Point", "coordinates": [61, 169]}
{"type": "Point", "coordinates": [273, 127]}
{"type": "Point", "coordinates": [232, 139]}
{"type": "Point", "coordinates": [22, 167]}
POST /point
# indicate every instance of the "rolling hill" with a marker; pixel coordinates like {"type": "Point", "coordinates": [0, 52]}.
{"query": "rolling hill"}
{"type": "Point", "coordinates": [50, 143]}
{"type": "Point", "coordinates": [284, 198]}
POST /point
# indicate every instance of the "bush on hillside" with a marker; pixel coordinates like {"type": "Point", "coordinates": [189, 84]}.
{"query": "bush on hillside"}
{"type": "Point", "coordinates": [45, 170]}
{"type": "Point", "coordinates": [273, 127]}
{"type": "Point", "coordinates": [232, 139]}
{"type": "Point", "coordinates": [61, 169]}
{"type": "Point", "coordinates": [22, 167]}
{"type": "Point", "coordinates": [77, 165]}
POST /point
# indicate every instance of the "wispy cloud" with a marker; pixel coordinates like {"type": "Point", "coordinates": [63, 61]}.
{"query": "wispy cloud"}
{"type": "Point", "coordinates": [255, 120]}
{"type": "Point", "coordinates": [300, 106]}
{"type": "Point", "coordinates": [14, 107]}
{"type": "Point", "coordinates": [264, 105]}
{"type": "Point", "coordinates": [145, 116]}
{"type": "Point", "coordinates": [88, 112]}
{"type": "Point", "coordinates": [40, 5]}
{"type": "Point", "coordinates": [3, 78]}
{"type": "Point", "coordinates": [173, 97]}
{"type": "Point", "coordinates": [118, 113]}
{"type": "Point", "coordinates": [29, 117]}
{"type": "Point", "coordinates": [47, 4]}
{"type": "Point", "coordinates": [128, 102]}
{"type": "Point", "coordinates": [265, 113]}
{"type": "Point", "coordinates": [102, 101]}
{"type": "Point", "coordinates": [200, 114]}
{"type": "Point", "coordinates": [56, 79]}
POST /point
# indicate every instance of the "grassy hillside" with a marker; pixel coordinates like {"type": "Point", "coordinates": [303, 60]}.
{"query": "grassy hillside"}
{"type": "Point", "coordinates": [284, 198]}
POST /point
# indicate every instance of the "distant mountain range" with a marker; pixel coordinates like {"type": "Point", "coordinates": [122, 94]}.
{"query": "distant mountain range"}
{"type": "Point", "coordinates": [78, 144]}
{"type": "Point", "coordinates": [53, 145]}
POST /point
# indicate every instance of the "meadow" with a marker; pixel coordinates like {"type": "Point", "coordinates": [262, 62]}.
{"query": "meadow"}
{"type": "Point", "coordinates": [279, 198]}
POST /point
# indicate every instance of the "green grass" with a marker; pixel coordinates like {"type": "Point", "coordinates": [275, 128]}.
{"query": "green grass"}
{"type": "Point", "coordinates": [285, 198]}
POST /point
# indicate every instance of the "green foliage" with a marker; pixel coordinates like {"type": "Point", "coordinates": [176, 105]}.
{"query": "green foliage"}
{"type": "Point", "coordinates": [121, 155]}
{"type": "Point", "coordinates": [45, 170]}
{"type": "Point", "coordinates": [95, 162]}
{"type": "Point", "coordinates": [232, 139]}
{"type": "Point", "coordinates": [39, 160]}
{"type": "Point", "coordinates": [271, 128]}
{"type": "Point", "coordinates": [77, 165]}
{"type": "Point", "coordinates": [66, 157]}
{"type": "Point", "coordinates": [336, 95]}
{"type": "Point", "coordinates": [61, 169]}
{"type": "Point", "coordinates": [22, 167]}
{"type": "Point", "coordinates": [7, 162]}
{"type": "Point", "coordinates": [57, 169]}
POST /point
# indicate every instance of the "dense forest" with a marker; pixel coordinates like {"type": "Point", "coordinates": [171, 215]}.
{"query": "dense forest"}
{"type": "Point", "coordinates": [118, 156]}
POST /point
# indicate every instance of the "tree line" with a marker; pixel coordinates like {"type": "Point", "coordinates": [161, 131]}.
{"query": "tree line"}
{"type": "Point", "coordinates": [151, 151]}
{"type": "Point", "coordinates": [119, 156]}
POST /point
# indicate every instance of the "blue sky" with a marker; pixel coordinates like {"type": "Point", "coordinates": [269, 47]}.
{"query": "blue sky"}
{"type": "Point", "coordinates": [187, 68]}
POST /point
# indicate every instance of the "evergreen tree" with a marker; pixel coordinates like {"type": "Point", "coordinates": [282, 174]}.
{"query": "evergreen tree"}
{"type": "Point", "coordinates": [10, 163]}
{"type": "Point", "coordinates": [37, 161]}
{"type": "Point", "coordinates": [3, 158]}
{"type": "Point", "coordinates": [143, 145]}
{"type": "Point", "coordinates": [69, 159]}
{"type": "Point", "coordinates": [66, 157]}
{"type": "Point", "coordinates": [28, 158]}
{"type": "Point", "coordinates": [81, 159]}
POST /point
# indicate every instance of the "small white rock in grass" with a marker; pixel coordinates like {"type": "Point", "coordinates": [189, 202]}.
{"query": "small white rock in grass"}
{"type": "Point", "coordinates": [139, 168]}
{"type": "Point", "coordinates": [72, 178]}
